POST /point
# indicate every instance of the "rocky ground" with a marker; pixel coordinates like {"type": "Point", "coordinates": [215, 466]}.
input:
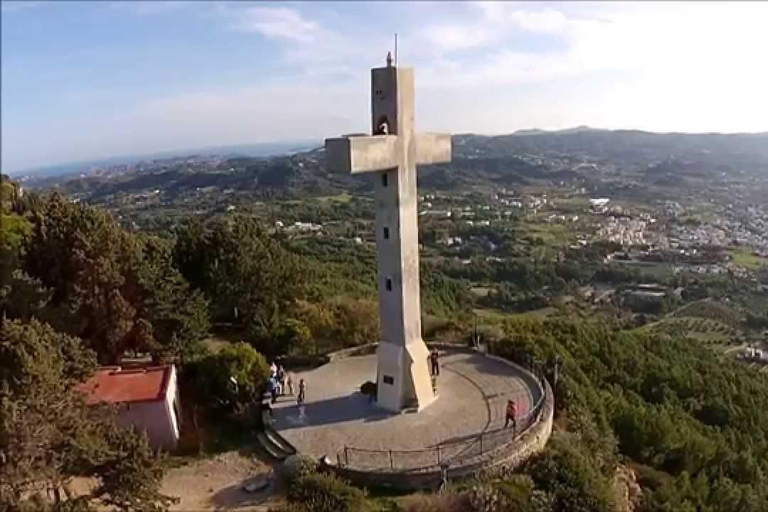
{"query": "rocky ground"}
{"type": "Point", "coordinates": [216, 484]}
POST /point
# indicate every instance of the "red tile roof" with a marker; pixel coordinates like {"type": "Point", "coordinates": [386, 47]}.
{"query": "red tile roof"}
{"type": "Point", "coordinates": [115, 385]}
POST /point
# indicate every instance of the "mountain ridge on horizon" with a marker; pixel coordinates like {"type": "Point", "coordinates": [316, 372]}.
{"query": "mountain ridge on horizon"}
{"type": "Point", "coordinates": [586, 128]}
{"type": "Point", "coordinates": [265, 149]}
{"type": "Point", "coordinates": [282, 148]}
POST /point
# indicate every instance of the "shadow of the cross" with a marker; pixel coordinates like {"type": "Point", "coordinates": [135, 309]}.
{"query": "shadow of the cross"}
{"type": "Point", "coordinates": [487, 366]}
{"type": "Point", "coordinates": [353, 407]}
{"type": "Point", "coordinates": [470, 437]}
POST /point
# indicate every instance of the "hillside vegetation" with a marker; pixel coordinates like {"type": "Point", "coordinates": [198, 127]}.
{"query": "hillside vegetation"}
{"type": "Point", "coordinates": [148, 262]}
{"type": "Point", "coordinates": [692, 424]}
{"type": "Point", "coordinates": [713, 310]}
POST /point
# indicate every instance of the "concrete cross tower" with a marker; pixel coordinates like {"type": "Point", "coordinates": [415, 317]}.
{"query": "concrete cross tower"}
{"type": "Point", "coordinates": [392, 152]}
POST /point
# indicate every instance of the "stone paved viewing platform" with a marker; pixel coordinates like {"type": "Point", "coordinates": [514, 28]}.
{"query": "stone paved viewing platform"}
{"type": "Point", "coordinates": [472, 389]}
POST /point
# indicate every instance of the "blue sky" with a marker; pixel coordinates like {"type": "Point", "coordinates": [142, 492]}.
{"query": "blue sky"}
{"type": "Point", "coordinates": [87, 80]}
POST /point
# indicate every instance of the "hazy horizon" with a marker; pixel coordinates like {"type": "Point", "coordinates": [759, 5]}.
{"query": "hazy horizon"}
{"type": "Point", "coordinates": [88, 81]}
{"type": "Point", "coordinates": [284, 147]}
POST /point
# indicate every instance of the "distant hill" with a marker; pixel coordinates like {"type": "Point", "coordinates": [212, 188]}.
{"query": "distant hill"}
{"type": "Point", "coordinates": [613, 163]}
{"type": "Point", "coordinates": [632, 144]}
{"type": "Point", "coordinates": [537, 131]}
{"type": "Point", "coordinates": [249, 150]}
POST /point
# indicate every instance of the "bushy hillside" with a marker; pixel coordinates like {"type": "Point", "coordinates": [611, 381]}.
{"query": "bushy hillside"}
{"type": "Point", "coordinates": [693, 424]}
{"type": "Point", "coordinates": [713, 310]}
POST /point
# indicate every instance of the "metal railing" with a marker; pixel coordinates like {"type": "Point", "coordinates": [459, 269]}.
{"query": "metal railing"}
{"type": "Point", "coordinates": [445, 454]}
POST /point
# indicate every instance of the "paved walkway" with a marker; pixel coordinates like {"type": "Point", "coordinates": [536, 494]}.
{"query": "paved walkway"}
{"type": "Point", "coordinates": [472, 394]}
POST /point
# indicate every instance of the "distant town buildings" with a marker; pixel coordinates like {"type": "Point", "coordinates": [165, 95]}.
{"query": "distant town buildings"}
{"type": "Point", "coordinates": [599, 205]}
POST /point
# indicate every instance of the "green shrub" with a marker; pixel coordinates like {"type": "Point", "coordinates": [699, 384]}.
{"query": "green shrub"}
{"type": "Point", "coordinates": [297, 466]}
{"type": "Point", "coordinates": [567, 472]}
{"type": "Point", "coordinates": [293, 337]}
{"type": "Point", "coordinates": [230, 380]}
{"type": "Point", "coordinates": [518, 494]}
{"type": "Point", "coordinates": [485, 498]}
{"type": "Point", "coordinates": [448, 502]}
{"type": "Point", "coordinates": [320, 492]}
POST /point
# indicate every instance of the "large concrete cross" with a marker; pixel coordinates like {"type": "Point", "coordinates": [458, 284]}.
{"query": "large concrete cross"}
{"type": "Point", "coordinates": [393, 151]}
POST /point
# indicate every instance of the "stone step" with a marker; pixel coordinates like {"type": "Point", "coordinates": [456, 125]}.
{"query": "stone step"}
{"type": "Point", "coordinates": [270, 447]}
{"type": "Point", "coordinates": [280, 442]}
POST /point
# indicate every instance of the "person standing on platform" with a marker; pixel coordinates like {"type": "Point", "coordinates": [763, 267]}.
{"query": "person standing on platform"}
{"type": "Point", "coordinates": [302, 392]}
{"type": "Point", "coordinates": [281, 378]}
{"type": "Point", "coordinates": [272, 386]}
{"type": "Point", "coordinates": [511, 416]}
{"type": "Point", "coordinates": [434, 362]}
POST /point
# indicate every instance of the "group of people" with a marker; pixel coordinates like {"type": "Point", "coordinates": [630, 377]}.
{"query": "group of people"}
{"type": "Point", "coordinates": [280, 380]}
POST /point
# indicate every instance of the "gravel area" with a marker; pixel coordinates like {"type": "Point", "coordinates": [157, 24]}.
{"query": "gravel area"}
{"type": "Point", "coordinates": [216, 484]}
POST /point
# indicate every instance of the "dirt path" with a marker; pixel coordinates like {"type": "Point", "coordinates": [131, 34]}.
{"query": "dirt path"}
{"type": "Point", "coordinates": [216, 484]}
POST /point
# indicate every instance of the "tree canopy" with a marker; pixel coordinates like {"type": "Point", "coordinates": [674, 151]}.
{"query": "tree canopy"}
{"type": "Point", "coordinates": [48, 435]}
{"type": "Point", "coordinates": [253, 278]}
{"type": "Point", "coordinates": [116, 290]}
{"type": "Point", "coordinates": [692, 423]}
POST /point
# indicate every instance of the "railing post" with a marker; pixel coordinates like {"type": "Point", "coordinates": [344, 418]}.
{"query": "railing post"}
{"type": "Point", "coordinates": [481, 444]}
{"type": "Point", "coordinates": [391, 460]}
{"type": "Point", "coordinates": [346, 455]}
{"type": "Point", "coordinates": [438, 455]}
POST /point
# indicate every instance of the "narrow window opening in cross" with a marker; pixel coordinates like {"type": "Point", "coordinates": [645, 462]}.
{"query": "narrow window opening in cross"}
{"type": "Point", "coordinates": [389, 284]}
{"type": "Point", "coordinates": [386, 233]}
{"type": "Point", "coordinates": [384, 179]}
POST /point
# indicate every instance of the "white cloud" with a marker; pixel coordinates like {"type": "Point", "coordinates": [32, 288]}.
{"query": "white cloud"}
{"type": "Point", "coordinates": [14, 6]}
{"type": "Point", "coordinates": [310, 49]}
{"type": "Point", "coordinates": [278, 22]}
{"type": "Point", "coordinates": [450, 37]}
{"type": "Point", "coordinates": [662, 67]}
{"type": "Point", "coordinates": [666, 41]}
{"type": "Point", "coordinates": [545, 20]}
{"type": "Point", "coordinates": [493, 23]}
{"type": "Point", "coordinates": [149, 8]}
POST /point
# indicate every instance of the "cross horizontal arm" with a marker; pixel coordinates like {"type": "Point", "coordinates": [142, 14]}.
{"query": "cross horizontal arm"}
{"type": "Point", "coordinates": [361, 154]}
{"type": "Point", "coordinates": [433, 148]}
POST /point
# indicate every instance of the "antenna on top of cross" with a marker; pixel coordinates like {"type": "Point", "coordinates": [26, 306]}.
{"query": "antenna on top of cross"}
{"type": "Point", "coordinates": [389, 55]}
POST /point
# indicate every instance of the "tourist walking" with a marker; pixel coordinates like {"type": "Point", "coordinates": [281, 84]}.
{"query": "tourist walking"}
{"type": "Point", "coordinates": [511, 416]}
{"type": "Point", "coordinates": [281, 378]}
{"type": "Point", "coordinates": [302, 392]}
{"type": "Point", "coordinates": [273, 389]}
{"type": "Point", "coordinates": [434, 362]}
{"type": "Point", "coordinates": [289, 381]}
